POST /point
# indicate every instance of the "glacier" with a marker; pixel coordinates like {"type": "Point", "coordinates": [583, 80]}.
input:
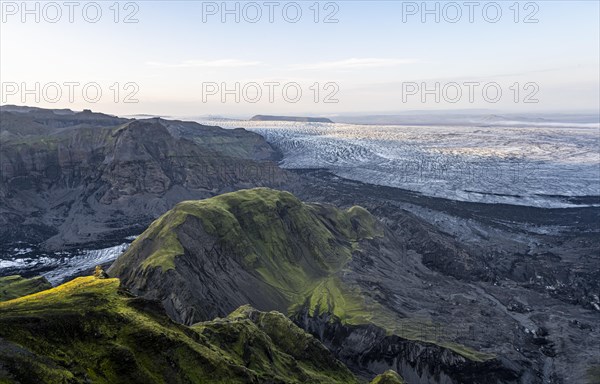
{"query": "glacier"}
{"type": "Point", "coordinates": [548, 165]}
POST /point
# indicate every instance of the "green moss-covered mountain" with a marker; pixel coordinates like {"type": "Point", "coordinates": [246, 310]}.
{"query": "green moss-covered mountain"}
{"type": "Point", "coordinates": [339, 274]}
{"type": "Point", "coordinates": [90, 331]}
{"type": "Point", "coordinates": [12, 287]}
{"type": "Point", "coordinates": [263, 247]}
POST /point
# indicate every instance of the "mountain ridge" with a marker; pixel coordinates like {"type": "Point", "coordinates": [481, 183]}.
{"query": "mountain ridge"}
{"type": "Point", "coordinates": [89, 329]}
{"type": "Point", "coordinates": [83, 177]}
{"type": "Point", "coordinates": [256, 229]}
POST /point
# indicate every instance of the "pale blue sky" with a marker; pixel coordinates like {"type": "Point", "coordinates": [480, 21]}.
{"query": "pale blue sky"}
{"type": "Point", "coordinates": [370, 53]}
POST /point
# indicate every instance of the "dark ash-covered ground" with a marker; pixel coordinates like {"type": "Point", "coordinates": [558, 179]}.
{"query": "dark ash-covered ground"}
{"type": "Point", "coordinates": [518, 280]}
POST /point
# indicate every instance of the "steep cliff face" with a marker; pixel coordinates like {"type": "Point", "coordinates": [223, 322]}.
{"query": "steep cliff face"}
{"type": "Point", "coordinates": [70, 178]}
{"type": "Point", "coordinates": [370, 349]}
{"type": "Point", "coordinates": [89, 330]}
{"type": "Point", "coordinates": [339, 274]}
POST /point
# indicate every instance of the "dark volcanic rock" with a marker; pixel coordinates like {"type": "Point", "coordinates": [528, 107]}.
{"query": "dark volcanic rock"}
{"type": "Point", "coordinates": [369, 350]}
{"type": "Point", "coordinates": [71, 178]}
{"type": "Point", "coordinates": [516, 269]}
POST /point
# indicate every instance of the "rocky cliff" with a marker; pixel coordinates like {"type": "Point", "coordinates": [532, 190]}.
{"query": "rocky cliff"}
{"type": "Point", "coordinates": [70, 178]}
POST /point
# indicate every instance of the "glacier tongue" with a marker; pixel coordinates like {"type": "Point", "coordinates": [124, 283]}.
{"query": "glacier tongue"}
{"type": "Point", "coordinates": [534, 166]}
{"type": "Point", "coordinates": [87, 260]}
{"type": "Point", "coordinates": [57, 266]}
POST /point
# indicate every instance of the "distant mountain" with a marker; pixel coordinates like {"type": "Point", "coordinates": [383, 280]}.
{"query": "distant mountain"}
{"type": "Point", "coordinates": [91, 331]}
{"type": "Point", "coordinates": [82, 177]}
{"type": "Point", "coordinates": [334, 272]}
{"type": "Point", "coordinates": [291, 118]}
{"type": "Point", "coordinates": [27, 109]}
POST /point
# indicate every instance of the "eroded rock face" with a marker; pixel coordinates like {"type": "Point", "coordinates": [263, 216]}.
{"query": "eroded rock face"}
{"type": "Point", "coordinates": [71, 178]}
{"type": "Point", "coordinates": [369, 349]}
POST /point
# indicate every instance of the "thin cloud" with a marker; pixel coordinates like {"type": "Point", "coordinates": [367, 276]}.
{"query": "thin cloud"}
{"type": "Point", "coordinates": [355, 63]}
{"type": "Point", "coordinates": [222, 63]}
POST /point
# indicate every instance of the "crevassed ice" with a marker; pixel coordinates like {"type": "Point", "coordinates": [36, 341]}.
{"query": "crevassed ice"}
{"type": "Point", "coordinates": [515, 165]}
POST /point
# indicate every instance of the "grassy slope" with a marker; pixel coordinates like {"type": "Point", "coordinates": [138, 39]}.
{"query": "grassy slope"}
{"type": "Point", "coordinates": [306, 357]}
{"type": "Point", "coordinates": [274, 233]}
{"type": "Point", "coordinates": [248, 220]}
{"type": "Point", "coordinates": [12, 287]}
{"type": "Point", "coordinates": [88, 329]}
{"type": "Point", "coordinates": [350, 306]}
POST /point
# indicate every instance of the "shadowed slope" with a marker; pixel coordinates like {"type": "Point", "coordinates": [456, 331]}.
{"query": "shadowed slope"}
{"type": "Point", "coordinates": [89, 330]}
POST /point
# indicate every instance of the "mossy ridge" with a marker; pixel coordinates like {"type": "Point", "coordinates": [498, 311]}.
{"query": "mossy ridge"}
{"type": "Point", "coordinates": [166, 246]}
{"type": "Point", "coordinates": [15, 286]}
{"type": "Point", "coordinates": [263, 334]}
{"type": "Point", "coordinates": [263, 227]}
{"type": "Point", "coordinates": [89, 330]}
{"type": "Point", "coordinates": [388, 377]}
{"type": "Point", "coordinates": [346, 304]}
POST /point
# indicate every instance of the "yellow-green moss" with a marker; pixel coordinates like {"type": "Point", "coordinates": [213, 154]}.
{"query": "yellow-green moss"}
{"type": "Point", "coordinates": [16, 286]}
{"type": "Point", "coordinates": [388, 377]}
{"type": "Point", "coordinates": [263, 226]}
{"type": "Point", "coordinates": [346, 304]}
{"type": "Point", "coordinates": [88, 330]}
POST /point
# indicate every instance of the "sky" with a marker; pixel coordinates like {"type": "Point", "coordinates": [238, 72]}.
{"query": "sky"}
{"type": "Point", "coordinates": [192, 58]}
